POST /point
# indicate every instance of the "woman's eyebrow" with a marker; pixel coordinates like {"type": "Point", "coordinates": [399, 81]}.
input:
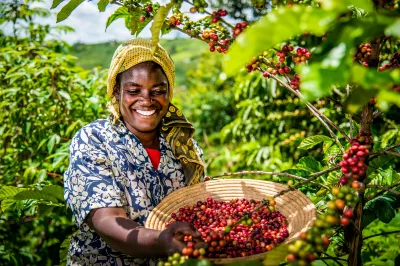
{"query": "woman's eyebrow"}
{"type": "Point", "coordinates": [161, 84]}
{"type": "Point", "coordinates": [132, 84]}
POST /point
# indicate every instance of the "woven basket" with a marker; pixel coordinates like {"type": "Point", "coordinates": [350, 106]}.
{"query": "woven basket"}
{"type": "Point", "coordinates": [297, 208]}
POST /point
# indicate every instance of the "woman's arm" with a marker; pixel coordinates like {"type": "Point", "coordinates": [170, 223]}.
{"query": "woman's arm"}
{"type": "Point", "coordinates": [127, 236]}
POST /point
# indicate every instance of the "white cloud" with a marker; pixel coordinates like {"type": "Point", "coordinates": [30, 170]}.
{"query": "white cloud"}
{"type": "Point", "coordinates": [90, 24]}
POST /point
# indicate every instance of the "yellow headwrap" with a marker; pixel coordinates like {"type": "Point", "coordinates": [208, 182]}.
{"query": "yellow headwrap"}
{"type": "Point", "coordinates": [177, 130]}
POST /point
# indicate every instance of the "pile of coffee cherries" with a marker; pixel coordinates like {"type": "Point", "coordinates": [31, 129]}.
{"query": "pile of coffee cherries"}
{"type": "Point", "coordinates": [231, 229]}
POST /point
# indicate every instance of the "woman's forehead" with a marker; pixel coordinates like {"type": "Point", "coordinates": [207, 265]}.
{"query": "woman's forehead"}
{"type": "Point", "coordinates": [146, 70]}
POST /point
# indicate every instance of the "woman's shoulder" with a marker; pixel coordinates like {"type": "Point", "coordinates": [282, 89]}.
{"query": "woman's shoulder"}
{"type": "Point", "coordinates": [97, 128]}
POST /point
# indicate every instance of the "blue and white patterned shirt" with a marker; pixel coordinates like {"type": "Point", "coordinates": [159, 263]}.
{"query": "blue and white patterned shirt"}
{"type": "Point", "coordinates": [109, 167]}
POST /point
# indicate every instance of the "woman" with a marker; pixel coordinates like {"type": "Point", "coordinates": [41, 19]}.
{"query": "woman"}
{"type": "Point", "coordinates": [122, 167]}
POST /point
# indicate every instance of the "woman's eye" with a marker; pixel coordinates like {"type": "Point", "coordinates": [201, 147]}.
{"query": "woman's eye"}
{"type": "Point", "coordinates": [159, 92]}
{"type": "Point", "coordinates": [133, 92]}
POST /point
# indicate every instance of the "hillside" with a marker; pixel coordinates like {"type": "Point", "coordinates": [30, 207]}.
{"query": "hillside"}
{"type": "Point", "coordinates": [184, 52]}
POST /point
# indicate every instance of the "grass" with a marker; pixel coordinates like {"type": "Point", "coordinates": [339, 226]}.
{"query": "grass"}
{"type": "Point", "coordinates": [184, 52]}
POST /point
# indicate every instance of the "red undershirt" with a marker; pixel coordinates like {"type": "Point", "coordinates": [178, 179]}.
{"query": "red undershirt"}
{"type": "Point", "coordinates": [155, 156]}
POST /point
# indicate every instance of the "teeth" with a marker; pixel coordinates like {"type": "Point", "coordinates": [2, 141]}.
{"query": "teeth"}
{"type": "Point", "coordinates": [146, 113]}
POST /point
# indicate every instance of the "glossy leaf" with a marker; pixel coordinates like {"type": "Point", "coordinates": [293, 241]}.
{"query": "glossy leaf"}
{"type": "Point", "coordinates": [274, 28]}
{"type": "Point", "coordinates": [310, 164]}
{"type": "Point", "coordinates": [67, 9]}
{"type": "Point", "coordinates": [334, 5]}
{"type": "Point", "coordinates": [121, 12]}
{"type": "Point", "coordinates": [56, 3]}
{"type": "Point", "coordinates": [310, 142]}
{"type": "Point", "coordinates": [158, 22]}
{"type": "Point", "coordinates": [102, 4]}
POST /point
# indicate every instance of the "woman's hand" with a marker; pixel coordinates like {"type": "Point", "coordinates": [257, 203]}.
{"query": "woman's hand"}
{"type": "Point", "coordinates": [171, 239]}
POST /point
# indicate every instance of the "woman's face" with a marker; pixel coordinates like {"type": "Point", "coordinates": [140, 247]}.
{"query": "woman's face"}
{"type": "Point", "coordinates": [143, 97]}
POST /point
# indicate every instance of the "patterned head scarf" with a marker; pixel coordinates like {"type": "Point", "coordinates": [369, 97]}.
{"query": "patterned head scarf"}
{"type": "Point", "coordinates": [177, 130]}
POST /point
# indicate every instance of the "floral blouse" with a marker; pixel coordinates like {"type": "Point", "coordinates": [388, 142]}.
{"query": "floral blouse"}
{"type": "Point", "coordinates": [109, 167]}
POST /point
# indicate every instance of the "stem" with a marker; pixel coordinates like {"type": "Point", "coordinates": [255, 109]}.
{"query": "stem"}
{"type": "Point", "coordinates": [220, 19]}
{"type": "Point", "coordinates": [376, 154]}
{"type": "Point", "coordinates": [197, 37]}
{"type": "Point", "coordinates": [270, 173]}
{"type": "Point", "coordinates": [397, 193]}
{"type": "Point", "coordinates": [381, 192]}
{"type": "Point", "coordinates": [382, 234]}
{"type": "Point", "coordinates": [351, 125]}
{"type": "Point", "coordinates": [314, 111]}
{"type": "Point", "coordinates": [353, 234]}
{"type": "Point", "coordinates": [55, 176]}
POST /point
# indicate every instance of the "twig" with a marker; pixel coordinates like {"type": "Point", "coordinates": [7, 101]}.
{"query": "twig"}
{"type": "Point", "coordinates": [313, 110]}
{"type": "Point", "coordinates": [397, 193]}
{"type": "Point", "coordinates": [336, 259]}
{"type": "Point", "coordinates": [196, 36]}
{"type": "Point", "coordinates": [221, 19]}
{"type": "Point", "coordinates": [382, 234]}
{"type": "Point", "coordinates": [317, 115]}
{"type": "Point", "coordinates": [383, 191]}
{"type": "Point", "coordinates": [376, 154]}
{"type": "Point", "coordinates": [395, 154]}
{"type": "Point", "coordinates": [55, 176]}
{"type": "Point", "coordinates": [270, 173]}
{"type": "Point", "coordinates": [377, 114]}
{"type": "Point", "coordinates": [330, 122]}
{"type": "Point", "coordinates": [351, 126]}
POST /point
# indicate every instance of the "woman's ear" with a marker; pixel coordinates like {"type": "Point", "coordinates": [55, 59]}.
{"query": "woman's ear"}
{"type": "Point", "coordinates": [116, 92]}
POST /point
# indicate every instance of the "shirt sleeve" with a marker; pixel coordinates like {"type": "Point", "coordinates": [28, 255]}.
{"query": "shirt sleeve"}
{"type": "Point", "coordinates": [89, 183]}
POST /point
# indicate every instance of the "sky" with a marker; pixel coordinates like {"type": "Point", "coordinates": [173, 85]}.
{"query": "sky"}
{"type": "Point", "coordinates": [90, 24]}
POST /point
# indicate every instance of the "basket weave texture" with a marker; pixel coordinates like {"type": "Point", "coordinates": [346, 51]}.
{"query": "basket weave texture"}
{"type": "Point", "coordinates": [297, 207]}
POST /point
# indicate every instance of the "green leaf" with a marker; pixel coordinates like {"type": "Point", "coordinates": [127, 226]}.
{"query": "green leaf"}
{"type": "Point", "coordinates": [54, 190]}
{"type": "Point", "coordinates": [56, 3]}
{"type": "Point", "coordinates": [310, 142]}
{"type": "Point", "coordinates": [393, 29]}
{"type": "Point", "coordinates": [277, 26]}
{"type": "Point", "coordinates": [51, 143]}
{"type": "Point", "coordinates": [318, 78]}
{"type": "Point", "coordinates": [343, 5]}
{"type": "Point", "coordinates": [8, 192]}
{"type": "Point", "coordinates": [386, 97]}
{"type": "Point", "coordinates": [64, 250]}
{"type": "Point", "coordinates": [194, 262]}
{"type": "Point", "coordinates": [276, 255]}
{"type": "Point", "coordinates": [6, 204]}
{"type": "Point", "coordinates": [326, 145]}
{"type": "Point", "coordinates": [358, 98]}
{"type": "Point", "coordinates": [67, 9]}
{"type": "Point", "coordinates": [64, 95]}
{"type": "Point", "coordinates": [158, 22]}
{"type": "Point", "coordinates": [309, 164]}
{"type": "Point", "coordinates": [35, 194]}
{"type": "Point", "coordinates": [121, 12]}
{"type": "Point", "coordinates": [388, 136]}
{"type": "Point", "coordinates": [380, 208]}
{"type": "Point", "coordinates": [102, 4]}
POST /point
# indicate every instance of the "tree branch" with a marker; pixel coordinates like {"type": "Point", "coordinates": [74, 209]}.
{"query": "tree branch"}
{"type": "Point", "coordinates": [270, 173]}
{"type": "Point", "coordinates": [397, 193]}
{"type": "Point", "coordinates": [383, 191]}
{"type": "Point", "coordinates": [221, 19]}
{"type": "Point", "coordinates": [314, 111]}
{"type": "Point", "coordinates": [382, 234]}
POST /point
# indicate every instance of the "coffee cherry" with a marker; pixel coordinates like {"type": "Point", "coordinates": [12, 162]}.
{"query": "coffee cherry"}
{"type": "Point", "coordinates": [344, 221]}
{"type": "Point", "coordinates": [149, 9]}
{"type": "Point", "coordinates": [142, 18]}
{"type": "Point", "coordinates": [348, 213]}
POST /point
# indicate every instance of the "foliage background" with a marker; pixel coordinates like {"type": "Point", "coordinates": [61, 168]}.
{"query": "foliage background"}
{"type": "Point", "coordinates": [48, 90]}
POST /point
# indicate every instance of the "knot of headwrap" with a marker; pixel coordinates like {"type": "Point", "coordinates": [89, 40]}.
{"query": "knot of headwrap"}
{"type": "Point", "coordinates": [177, 130]}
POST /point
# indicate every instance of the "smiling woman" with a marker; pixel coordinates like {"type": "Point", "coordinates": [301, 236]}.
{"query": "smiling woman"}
{"type": "Point", "coordinates": [122, 167]}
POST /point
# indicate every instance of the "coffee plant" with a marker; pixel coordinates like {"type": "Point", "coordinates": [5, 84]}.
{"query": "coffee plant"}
{"type": "Point", "coordinates": [308, 92]}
